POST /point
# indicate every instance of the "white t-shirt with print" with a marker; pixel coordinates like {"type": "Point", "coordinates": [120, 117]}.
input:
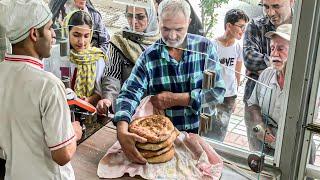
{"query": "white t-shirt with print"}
{"type": "Point", "coordinates": [228, 57]}
{"type": "Point", "coordinates": [35, 120]}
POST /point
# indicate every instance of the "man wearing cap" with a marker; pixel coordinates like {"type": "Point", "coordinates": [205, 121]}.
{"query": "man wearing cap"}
{"type": "Point", "coordinates": [266, 102]}
{"type": "Point", "coordinates": [36, 133]}
{"type": "Point", "coordinates": [256, 48]}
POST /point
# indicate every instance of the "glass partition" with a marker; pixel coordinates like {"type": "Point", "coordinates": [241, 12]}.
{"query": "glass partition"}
{"type": "Point", "coordinates": [134, 28]}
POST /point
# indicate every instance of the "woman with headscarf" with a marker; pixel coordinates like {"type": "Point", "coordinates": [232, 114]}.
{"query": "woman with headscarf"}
{"type": "Point", "coordinates": [60, 8]}
{"type": "Point", "coordinates": [88, 62]}
{"type": "Point", "coordinates": [124, 49]}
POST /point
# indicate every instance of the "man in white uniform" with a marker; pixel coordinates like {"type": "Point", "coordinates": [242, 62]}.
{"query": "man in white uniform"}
{"type": "Point", "coordinates": [36, 133]}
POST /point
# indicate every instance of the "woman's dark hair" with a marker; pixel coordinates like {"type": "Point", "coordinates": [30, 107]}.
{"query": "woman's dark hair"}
{"type": "Point", "coordinates": [234, 15]}
{"type": "Point", "coordinates": [80, 18]}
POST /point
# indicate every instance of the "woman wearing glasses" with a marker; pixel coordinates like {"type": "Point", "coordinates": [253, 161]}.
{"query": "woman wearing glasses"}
{"type": "Point", "coordinates": [124, 49]}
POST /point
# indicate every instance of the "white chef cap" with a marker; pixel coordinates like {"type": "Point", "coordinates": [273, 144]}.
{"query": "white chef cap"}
{"type": "Point", "coordinates": [19, 16]}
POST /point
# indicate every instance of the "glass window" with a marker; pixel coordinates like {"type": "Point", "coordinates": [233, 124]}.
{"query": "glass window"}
{"type": "Point", "coordinates": [230, 125]}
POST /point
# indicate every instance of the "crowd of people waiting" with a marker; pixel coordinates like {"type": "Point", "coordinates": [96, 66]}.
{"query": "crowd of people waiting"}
{"type": "Point", "coordinates": [161, 52]}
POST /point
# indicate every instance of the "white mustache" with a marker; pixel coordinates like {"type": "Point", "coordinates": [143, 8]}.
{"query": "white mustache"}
{"type": "Point", "coordinates": [276, 60]}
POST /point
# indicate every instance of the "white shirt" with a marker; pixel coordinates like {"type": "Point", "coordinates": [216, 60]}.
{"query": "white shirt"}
{"type": "Point", "coordinates": [35, 120]}
{"type": "Point", "coordinates": [229, 57]}
{"type": "Point", "coordinates": [269, 100]}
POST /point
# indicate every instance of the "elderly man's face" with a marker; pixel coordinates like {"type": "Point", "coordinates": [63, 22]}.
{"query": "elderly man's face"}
{"type": "Point", "coordinates": [174, 28]}
{"type": "Point", "coordinates": [279, 52]}
{"type": "Point", "coordinates": [278, 11]}
{"type": "Point", "coordinates": [81, 4]}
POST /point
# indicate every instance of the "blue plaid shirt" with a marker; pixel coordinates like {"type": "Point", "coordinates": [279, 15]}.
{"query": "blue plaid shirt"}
{"type": "Point", "coordinates": [156, 71]}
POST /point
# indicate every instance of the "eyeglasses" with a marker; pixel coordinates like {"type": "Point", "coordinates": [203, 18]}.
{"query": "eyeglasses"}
{"type": "Point", "coordinates": [242, 27]}
{"type": "Point", "coordinates": [139, 17]}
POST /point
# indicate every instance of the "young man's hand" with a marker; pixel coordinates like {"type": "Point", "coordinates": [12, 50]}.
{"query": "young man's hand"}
{"type": "Point", "coordinates": [77, 129]}
{"type": "Point", "coordinates": [127, 141]}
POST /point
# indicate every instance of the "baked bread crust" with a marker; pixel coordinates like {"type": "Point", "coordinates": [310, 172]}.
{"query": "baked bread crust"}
{"type": "Point", "coordinates": [158, 146]}
{"type": "Point", "coordinates": [165, 157]}
{"type": "Point", "coordinates": [155, 128]}
{"type": "Point", "coordinates": [148, 153]}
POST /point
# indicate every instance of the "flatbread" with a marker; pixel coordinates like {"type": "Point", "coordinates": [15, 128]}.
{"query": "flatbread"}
{"type": "Point", "coordinates": [155, 128]}
{"type": "Point", "coordinates": [165, 157]}
{"type": "Point", "coordinates": [158, 146]}
{"type": "Point", "coordinates": [148, 153]}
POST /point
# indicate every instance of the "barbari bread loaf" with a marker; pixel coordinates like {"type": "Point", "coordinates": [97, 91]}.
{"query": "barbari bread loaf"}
{"type": "Point", "coordinates": [155, 128]}
{"type": "Point", "coordinates": [148, 153]}
{"type": "Point", "coordinates": [165, 157]}
{"type": "Point", "coordinates": [158, 146]}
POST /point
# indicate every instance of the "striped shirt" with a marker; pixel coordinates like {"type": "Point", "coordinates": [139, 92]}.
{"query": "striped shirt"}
{"type": "Point", "coordinates": [156, 71]}
{"type": "Point", "coordinates": [117, 70]}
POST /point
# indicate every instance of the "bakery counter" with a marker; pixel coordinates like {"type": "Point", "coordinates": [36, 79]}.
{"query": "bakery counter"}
{"type": "Point", "coordinates": [89, 153]}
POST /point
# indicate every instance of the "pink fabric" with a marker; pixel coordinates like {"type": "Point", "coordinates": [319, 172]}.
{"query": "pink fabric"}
{"type": "Point", "coordinates": [146, 109]}
{"type": "Point", "coordinates": [194, 159]}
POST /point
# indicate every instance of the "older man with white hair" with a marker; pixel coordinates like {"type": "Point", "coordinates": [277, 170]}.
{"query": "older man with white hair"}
{"type": "Point", "coordinates": [36, 134]}
{"type": "Point", "coordinates": [266, 102]}
{"type": "Point", "coordinates": [171, 70]}
{"type": "Point", "coordinates": [267, 99]}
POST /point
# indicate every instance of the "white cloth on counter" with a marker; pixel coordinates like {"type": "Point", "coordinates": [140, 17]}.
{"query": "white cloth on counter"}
{"type": "Point", "coordinates": [193, 159]}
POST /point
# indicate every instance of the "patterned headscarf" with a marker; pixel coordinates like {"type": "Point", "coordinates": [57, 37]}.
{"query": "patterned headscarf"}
{"type": "Point", "coordinates": [86, 64]}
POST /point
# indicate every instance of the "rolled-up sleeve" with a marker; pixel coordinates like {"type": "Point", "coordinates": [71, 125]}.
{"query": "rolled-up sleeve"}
{"type": "Point", "coordinates": [195, 100]}
{"type": "Point", "coordinates": [215, 94]}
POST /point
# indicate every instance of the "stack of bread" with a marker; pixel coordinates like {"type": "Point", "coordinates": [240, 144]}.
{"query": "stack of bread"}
{"type": "Point", "coordinates": [160, 134]}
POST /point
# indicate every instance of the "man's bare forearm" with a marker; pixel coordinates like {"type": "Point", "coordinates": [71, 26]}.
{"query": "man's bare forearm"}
{"type": "Point", "coordinates": [122, 126]}
{"type": "Point", "coordinates": [180, 99]}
